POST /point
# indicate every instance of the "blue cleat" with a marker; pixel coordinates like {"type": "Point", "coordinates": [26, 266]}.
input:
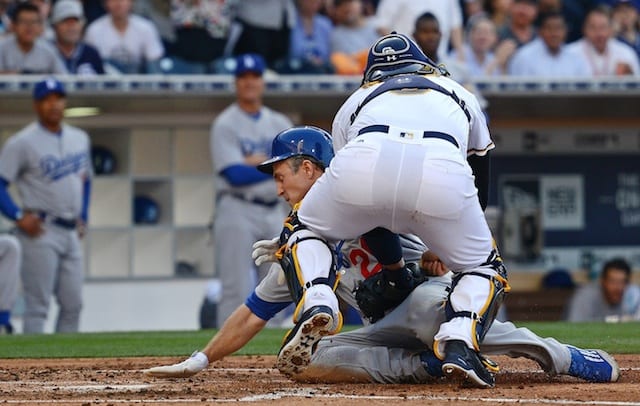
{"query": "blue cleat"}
{"type": "Point", "coordinates": [593, 365]}
{"type": "Point", "coordinates": [300, 342]}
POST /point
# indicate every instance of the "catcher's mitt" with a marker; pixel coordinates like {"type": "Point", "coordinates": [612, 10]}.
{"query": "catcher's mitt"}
{"type": "Point", "coordinates": [378, 294]}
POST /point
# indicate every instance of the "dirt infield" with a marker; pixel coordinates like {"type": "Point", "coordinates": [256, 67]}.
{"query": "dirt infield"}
{"type": "Point", "coordinates": [117, 381]}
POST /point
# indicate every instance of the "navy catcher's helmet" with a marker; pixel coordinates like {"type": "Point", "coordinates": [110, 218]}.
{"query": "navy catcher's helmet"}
{"type": "Point", "coordinates": [145, 210]}
{"type": "Point", "coordinates": [305, 140]}
{"type": "Point", "coordinates": [394, 54]}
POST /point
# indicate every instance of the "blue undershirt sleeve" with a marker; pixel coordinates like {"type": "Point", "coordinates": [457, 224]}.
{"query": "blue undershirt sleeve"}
{"type": "Point", "coordinates": [86, 194]}
{"type": "Point", "coordinates": [243, 175]}
{"type": "Point", "coordinates": [263, 309]}
{"type": "Point", "coordinates": [7, 206]}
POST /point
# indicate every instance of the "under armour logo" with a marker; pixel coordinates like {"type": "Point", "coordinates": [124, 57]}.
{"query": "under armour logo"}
{"type": "Point", "coordinates": [406, 135]}
{"type": "Point", "coordinates": [391, 58]}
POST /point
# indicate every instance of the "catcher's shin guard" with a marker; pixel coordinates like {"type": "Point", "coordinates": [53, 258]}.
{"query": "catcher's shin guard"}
{"type": "Point", "coordinates": [498, 288]}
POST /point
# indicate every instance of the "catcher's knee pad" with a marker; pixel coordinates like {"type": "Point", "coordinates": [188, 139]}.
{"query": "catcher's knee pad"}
{"type": "Point", "coordinates": [481, 320]}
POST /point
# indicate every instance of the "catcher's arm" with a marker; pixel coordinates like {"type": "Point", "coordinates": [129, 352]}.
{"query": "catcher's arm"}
{"type": "Point", "coordinates": [236, 331]}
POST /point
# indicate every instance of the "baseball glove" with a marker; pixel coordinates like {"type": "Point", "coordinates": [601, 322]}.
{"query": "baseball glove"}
{"type": "Point", "coordinates": [378, 294]}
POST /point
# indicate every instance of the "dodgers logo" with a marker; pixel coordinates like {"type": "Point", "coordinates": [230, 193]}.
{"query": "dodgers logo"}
{"type": "Point", "coordinates": [55, 168]}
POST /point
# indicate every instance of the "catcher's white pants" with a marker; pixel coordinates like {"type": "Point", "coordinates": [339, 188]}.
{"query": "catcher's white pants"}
{"type": "Point", "coordinates": [417, 186]}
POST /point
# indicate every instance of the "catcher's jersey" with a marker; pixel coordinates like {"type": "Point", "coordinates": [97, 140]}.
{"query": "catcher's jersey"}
{"type": "Point", "coordinates": [272, 294]}
{"type": "Point", "coordinates": [236, 134]}
{"type": "Point", "coordinates": [48, 169]}
{"type": "Point", "coordinates": [411, 110]}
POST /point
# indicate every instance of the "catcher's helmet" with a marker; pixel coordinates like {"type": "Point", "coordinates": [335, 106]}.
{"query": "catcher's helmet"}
{"type": "Point", "coordinates": [145, 210]}
{"type": "Point", "coordinates": [394, 54]}
{"type": "Point", "coordinates": [305, 140]}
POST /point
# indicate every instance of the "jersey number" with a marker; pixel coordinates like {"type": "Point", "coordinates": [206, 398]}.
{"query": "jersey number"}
{"type": "Point", "coordinates": [361, 259]}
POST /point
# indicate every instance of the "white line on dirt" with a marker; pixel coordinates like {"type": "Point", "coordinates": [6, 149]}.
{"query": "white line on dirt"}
{"type": "Point", "coordinates": [260, 398]}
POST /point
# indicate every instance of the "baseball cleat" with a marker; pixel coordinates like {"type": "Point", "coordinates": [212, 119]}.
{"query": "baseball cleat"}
{"type": "Point", "coordinates": [593, 365]}
{"type": "Point", "coordinates": [463, 365]}
{"type": "Point", "coordinates": [299, 343]}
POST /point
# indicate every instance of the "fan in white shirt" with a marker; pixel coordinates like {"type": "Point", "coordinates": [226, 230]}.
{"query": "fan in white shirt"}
{"type": "Point", "coordinates": [128, 42]}
{"type": "Point", "coordinates": [604, 55]}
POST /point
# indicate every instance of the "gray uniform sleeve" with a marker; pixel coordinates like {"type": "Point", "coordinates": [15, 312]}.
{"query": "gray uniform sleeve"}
{"type": "Point", "coordinates": [11, 159]}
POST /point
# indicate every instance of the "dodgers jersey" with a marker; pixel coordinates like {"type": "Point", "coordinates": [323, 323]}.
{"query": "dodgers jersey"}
{"type": "Point", "coordinates": [236, 134]}
{"type": "Point", "coordinates": [49, 169]}
{"type": "Point", "coordinates": [412, 111]}
{"type": "Point", "coordinates": [357, 264]}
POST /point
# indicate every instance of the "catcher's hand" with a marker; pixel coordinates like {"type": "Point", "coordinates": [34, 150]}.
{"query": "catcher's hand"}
{"type": "Point", "coordinates": [265, 251]}
{"type": "Point", "coordinates": [189, 367]}
{"type": "Point", "coordinates": [378, 294]}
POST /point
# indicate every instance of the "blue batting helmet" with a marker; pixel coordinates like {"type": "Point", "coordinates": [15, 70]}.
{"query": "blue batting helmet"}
{"type": "Point", "coordinates": [299, 141]}
{"type": "Point", "coordinates": [394, 54]}
{"type": "Point", "coordinates": [145, 210]}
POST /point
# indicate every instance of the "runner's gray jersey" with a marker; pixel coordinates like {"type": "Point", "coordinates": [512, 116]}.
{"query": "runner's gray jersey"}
{"type": "Point", "coordinates": [237, 135]}
{"type": "Point", "coordinates": [49, 169]}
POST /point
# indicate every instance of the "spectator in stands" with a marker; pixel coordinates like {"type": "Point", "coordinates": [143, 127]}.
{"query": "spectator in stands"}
{"type": "Point", "coordinates": [518, 31]}
{"type": "Point", "coordinates": [159, 13]}
{"type": "Point", "coordinates": [611, 298]}
{"type": "Point", "coordinates": [5, 21]}
{"type": "Point", "coordinates": [351, 37]}
{"type": "Point", "coordinates": [625, 23]}
{"type": "Point", "coordinates": [498, 11]}
{"type": "Point", "coordinates": [127, 42]}
{"type": "Point", "coordinates": [93, 9]}
{"type": "Point", "coordinates": [401, 15]}
{"type": "Point", "coordinates": [573, 11]}
{"type": "Point", "coordinates": [24, 52]}
{"type": "Point", "coordinates": [201, 32]}
{"type": "Point", "coordinates": [471, 8]}
{"type": "Point", "coordinates": [481, 38]}
{"type": "Point", "coordinates": [547, 56]}
{"type": "Point", "coordinates": [67, 19]}
{"type": "Point", "coordinates": [605, 55]}
{"type": "Point", "coordinates": [310, 46]}
{"type": "Point", "coordinates": [427, 35]}
{"type": "Point", "coordinates": [263, 27]}
{"type": "Point", "coordinates": [45, 8]}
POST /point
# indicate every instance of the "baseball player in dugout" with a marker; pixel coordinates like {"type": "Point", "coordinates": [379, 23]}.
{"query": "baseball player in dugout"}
{"type": "Point", "coordinates": [392, 347]}
{"type": "Point", "coordinates": [247, 205]}
{"type": "Point", "coordinates": [49, 161]}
